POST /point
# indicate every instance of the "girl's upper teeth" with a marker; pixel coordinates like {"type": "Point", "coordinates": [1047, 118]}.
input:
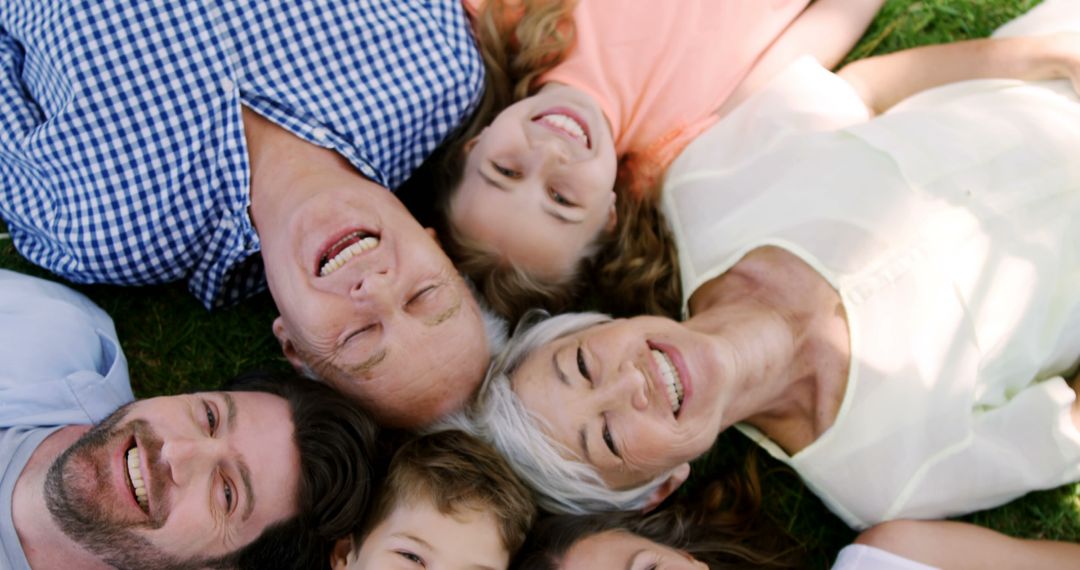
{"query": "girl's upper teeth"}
{"type": "Point", "coordinates": [567, 125]}
{"type": "Point", "coordinates": [346, 254]}
{"type": "Point", "coordinates": [671, 379]}
{"type": "Point", "coordinates": [134, 463]}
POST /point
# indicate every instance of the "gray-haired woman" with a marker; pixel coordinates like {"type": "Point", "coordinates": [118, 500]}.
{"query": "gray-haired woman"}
{"type": "Point", "coordinates": [887, 306]}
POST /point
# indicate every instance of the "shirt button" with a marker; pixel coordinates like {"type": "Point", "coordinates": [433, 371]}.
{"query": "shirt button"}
{"type": "Point", "coordinates": [227, 84]}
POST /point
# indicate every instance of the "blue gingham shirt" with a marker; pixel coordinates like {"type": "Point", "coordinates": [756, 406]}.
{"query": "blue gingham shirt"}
{"type": "Point", "coordinates": [122, 151]}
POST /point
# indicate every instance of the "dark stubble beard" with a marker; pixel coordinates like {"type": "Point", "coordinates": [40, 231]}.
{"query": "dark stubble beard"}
{"type": "Point", "coordinates": [76, 486]}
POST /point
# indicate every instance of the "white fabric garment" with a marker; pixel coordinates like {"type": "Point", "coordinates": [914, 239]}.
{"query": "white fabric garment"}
{"type": "Point", "coordinates": [950, 226]}
{"type": "Point", "coordinates": [865, 557]}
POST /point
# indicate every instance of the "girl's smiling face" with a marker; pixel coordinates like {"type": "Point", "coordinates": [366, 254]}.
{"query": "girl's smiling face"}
{"type": "Point", "coordinates": [538, 186]}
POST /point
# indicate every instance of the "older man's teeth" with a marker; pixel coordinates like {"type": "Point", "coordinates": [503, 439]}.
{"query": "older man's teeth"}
{"type": "Point", "coordinates": [566, 125]}
{"type": "Point", "coordinates": [346, 254]}
{"type": "Point", "coordinates": [135, 474]}
{"type": "Point", "coordinates": [671, 379]}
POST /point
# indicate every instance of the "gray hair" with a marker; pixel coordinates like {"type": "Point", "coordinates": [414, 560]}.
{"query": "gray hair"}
{"type": "Point", "coordinates": [499, 417]}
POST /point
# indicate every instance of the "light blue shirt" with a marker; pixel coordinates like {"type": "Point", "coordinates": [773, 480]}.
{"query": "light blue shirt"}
{"type": "Point", "coordinates": [60, 364]}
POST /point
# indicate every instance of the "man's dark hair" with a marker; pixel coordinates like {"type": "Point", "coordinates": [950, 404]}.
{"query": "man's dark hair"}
{"type": "Point", "coordinates": [338, 462]}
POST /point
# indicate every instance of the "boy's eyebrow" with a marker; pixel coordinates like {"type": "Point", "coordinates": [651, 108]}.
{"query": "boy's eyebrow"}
{"type": "Point", "coordinates": [415, 539]}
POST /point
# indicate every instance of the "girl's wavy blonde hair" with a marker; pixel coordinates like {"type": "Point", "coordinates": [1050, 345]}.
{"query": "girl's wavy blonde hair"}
{"type": "Point", "coordinates": [631, 271]}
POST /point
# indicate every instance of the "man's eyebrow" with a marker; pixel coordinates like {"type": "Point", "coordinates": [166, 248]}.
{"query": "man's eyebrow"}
{"type": "Point", "coordinates": [445, 315]}
{"type": "Point", "coordinates": [366, 366]}
{"type": "Point", "coordinates": [230, 409]}
{"type": "Point", "coordinates": [241, 465]}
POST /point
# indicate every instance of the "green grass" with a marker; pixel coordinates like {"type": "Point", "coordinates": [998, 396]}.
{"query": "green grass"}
{"type": "Point", "coordinates": [173, 344]}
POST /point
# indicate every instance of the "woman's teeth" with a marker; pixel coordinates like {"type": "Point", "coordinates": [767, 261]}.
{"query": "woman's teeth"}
{"type": "Point", "coordinates": [135, 474]}
{"type": "Point", "coordinates": [346, 254]}
{"type": "Point", "coordinates": [566, 125]}
{"type": "Point", "coordinates": [671, 379]}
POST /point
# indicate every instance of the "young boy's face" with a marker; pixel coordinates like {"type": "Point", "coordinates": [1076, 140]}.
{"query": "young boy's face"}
{"type": "Point", "coordinates": [419, 536]}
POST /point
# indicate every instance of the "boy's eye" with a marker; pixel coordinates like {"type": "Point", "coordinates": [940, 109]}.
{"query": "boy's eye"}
{"type": "Point", "coordinates": [411, 557]}
{"type": "Point", "coordinates": [504, 171]}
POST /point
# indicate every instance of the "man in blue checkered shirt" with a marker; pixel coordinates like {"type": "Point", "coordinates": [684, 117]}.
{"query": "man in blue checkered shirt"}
{"type": "Point", "coordinates": [244, 144]}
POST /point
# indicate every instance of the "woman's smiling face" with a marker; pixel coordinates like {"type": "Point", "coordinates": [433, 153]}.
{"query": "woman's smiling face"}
{"type": "Point", "coordinates": [538, 186]}
{"type": "Point", "coordinates": [633, 398]}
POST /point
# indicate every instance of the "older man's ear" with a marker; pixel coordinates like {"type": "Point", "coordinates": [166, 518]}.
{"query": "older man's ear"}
{"type": "Point", "coordinates": [287, 346]}
{"type": "Point", "coordinates": [677, 478]}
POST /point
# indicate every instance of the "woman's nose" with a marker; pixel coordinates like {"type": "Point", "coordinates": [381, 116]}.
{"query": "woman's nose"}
{"type": "Point", "coordinates": [629, 385]}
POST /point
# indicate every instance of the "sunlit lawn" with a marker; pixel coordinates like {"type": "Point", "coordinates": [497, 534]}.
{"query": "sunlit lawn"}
{"type": "Point", "coordinates": [173, 344]}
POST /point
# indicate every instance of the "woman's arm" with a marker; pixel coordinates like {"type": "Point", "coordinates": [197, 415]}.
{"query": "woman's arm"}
{"type": "Point", "coordinates": [885, 80]}
{"type": "Point", "coordinates": [826, 30]}
{"type": "Point", "coordinates": [953, 545]}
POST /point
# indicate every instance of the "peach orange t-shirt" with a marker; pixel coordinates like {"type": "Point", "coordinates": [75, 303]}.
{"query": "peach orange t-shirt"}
{"type": "Point", "coordinates": [659, 69]}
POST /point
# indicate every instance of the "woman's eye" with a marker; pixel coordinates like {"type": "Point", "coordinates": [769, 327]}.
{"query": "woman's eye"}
{"type": "Point", "coordinates": [559, 198]}
{"type": "Point", "coordinates": [610, 441]}
{"type": "Point", "coordinates": [411, 557]}
{"type": "Point", "coordinates": [581, 366]}
{"type": "Point", "coordinates": [211, 418]}
{"type": "Point", "coordinates": [504, 171]}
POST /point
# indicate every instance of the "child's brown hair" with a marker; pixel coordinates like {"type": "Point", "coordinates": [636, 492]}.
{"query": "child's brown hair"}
{"type": "Point", "coordinates": [455, 471]}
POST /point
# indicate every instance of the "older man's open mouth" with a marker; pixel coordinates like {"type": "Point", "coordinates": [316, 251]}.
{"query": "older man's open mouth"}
{"type": "Point", "coordinates": [343, 249]}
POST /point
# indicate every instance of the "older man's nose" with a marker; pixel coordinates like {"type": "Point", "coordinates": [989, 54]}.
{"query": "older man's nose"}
{"type": "Point", "coordinates": [375, 287]}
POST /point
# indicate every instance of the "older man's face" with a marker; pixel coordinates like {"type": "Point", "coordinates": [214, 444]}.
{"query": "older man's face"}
{"type": "Point", "coordinates": [369, 301]}
{"type": "Point", "coordinates": [175, 481]}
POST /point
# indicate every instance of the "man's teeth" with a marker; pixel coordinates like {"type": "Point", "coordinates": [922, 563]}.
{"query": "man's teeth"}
{"type": "Point", "coordinates": [346, 254]}
{"type": "Point", "coordinates": [567, 125]}
{"type": "Point", "coordinates": [671, 379]}
{"type": "Point", "coordinates": [135, 474]}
